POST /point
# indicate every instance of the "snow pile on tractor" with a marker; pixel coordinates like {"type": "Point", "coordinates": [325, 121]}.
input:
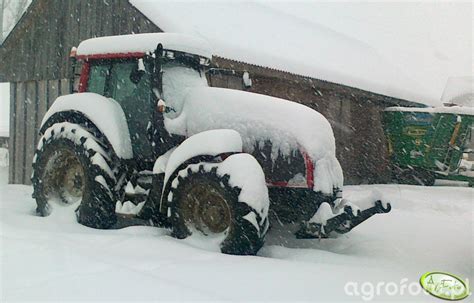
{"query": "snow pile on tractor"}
{"type": "Point", "coordinates": [258, 118]}
{"type": "Point", "coordinates": [143, 43]}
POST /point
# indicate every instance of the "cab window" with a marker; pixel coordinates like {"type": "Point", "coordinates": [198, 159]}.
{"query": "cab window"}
{"type": "Point", "coordinates": [97, 78]}
{"type": "Point", "coordinates": [129, 85]}
{"type": "Point", "coordinates": [129, 81]}
{"type": "Point", "coordinates": [118, 79]}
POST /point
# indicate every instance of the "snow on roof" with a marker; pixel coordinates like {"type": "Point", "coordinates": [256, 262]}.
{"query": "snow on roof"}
{"type": "Point", "coordinates": [458, 110]}
{"type": "Point", "coordinates": [143, 43]}
{"type": "Point", "coordinates": [256, 33]}
{"type": "Point", "coordinates": [459, 90]}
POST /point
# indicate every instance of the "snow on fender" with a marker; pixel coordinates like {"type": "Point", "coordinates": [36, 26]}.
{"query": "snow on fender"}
{"type": "Point", "coordinates": [212, 143]}
{"type": "Point", "coordinates": [104, 112]}
{"type": "Point", "coordinates": [246, 173]}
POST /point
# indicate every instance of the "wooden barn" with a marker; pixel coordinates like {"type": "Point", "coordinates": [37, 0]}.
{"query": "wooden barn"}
{"type": "Point", "coordinates": [34, 59]}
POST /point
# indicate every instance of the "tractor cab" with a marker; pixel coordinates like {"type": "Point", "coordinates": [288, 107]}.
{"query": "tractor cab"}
{"type": "Point", "coordinates": [138, 71]}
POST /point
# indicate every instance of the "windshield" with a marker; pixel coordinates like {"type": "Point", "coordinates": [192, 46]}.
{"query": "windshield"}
{"type": "Point", "coordinates": [178, 78]}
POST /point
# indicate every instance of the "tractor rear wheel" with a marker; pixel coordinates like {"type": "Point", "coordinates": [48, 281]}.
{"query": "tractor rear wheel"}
{"type": "Point", "coordinates": [71, 167]}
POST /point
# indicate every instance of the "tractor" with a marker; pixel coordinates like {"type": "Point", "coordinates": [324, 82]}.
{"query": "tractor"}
{"type": "Point", "coordinates": [146, 137]}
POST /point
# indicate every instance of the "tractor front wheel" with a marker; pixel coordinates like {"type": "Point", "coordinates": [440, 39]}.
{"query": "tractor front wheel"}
{"type": "Point", "coordinates": [202, 202]}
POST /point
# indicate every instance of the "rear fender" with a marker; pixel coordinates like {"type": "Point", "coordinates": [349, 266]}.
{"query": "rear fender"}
{"type": "Point", "coordinates": [102, 115]}
{"type": "Point", "coordinates": [76, 118]}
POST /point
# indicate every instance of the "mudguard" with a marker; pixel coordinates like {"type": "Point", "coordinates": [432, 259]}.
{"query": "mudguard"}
{"type": "Point", "coordinates": [105, 113]}
{"type": "Point", "coordinates": [208, 144]}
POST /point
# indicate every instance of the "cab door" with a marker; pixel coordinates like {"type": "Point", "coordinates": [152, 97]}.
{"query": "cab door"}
{"type": "Point", "coordinates": [126, 82]}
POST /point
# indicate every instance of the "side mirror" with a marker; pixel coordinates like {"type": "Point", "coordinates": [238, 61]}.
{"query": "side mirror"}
{"type": "Point", "coordinates": [162, 108]}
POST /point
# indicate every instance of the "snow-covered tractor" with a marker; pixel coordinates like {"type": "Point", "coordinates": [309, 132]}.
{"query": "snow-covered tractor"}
{"type": "Point", "coordinates": [146, 136]}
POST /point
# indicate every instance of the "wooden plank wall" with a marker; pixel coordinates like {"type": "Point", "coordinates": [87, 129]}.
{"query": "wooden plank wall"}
{"type": "Point", "coordinates": [12, 138]}
{"type": "Point", "coordinates": [39, 47]}
{"type": "Point", "coordinates": [29, 102]}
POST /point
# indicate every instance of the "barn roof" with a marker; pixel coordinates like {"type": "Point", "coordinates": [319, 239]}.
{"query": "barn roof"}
{"type": "Point", "coordinates": [259, 34]}
{"type": "Point", "coordinates": [142, 43]}
{"type": "Point", "coordinates": [247, 32]}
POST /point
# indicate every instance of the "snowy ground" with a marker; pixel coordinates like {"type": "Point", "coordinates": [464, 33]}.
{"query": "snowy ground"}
{"type": "Point", "coordinates": [55, 258]}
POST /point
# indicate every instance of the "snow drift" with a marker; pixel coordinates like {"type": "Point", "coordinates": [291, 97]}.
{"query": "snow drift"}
{"type": "Point", "coordinates": [57, 259]}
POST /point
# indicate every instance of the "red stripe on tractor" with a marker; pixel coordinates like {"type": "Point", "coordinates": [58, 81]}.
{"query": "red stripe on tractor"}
{"type": "Point", "coordinates": [309, 175]}
{"type": "Point", "coordinates": [84, 77]}
{"type": "Point", "coordinates": [309, 169]}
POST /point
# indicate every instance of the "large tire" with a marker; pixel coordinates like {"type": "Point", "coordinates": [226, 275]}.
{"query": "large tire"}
{"type": "Point", "coordinates": [71, 166]}
{"type": "Point", "coordinates": [202, 201]}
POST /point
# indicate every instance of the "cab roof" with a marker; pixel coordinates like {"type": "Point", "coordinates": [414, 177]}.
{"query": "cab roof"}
{"type": "Point", "coordinates": [137, 45]}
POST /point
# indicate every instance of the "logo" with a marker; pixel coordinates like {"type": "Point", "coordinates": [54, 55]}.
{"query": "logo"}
{"type": "Point", "coordinates": [414, 131]}
{"type": "Point", "coordinates": [445, 286]}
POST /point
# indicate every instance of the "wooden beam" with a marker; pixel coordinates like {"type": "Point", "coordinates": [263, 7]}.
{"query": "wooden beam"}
{"type": "Point", "coordinates": [30, 129]}
{"type": "Point", "coordinates": [13, 135]}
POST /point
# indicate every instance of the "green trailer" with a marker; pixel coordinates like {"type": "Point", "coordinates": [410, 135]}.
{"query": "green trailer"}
{"type": "Point", "coordinates": [425, 144]}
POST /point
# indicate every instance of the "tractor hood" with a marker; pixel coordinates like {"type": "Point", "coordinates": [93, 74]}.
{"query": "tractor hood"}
{"type": "Point", "coordinates": [258, 118]}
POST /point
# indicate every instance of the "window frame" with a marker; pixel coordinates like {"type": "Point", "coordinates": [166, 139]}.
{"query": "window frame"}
{"type": "Point", "coordinates": [108, 89]}
{"type": "Point", "coordinates": [97, 62]}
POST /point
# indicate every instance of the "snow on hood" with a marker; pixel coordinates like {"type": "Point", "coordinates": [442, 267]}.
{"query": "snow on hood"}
{"type": "Point", "coordinates": [289, 125]}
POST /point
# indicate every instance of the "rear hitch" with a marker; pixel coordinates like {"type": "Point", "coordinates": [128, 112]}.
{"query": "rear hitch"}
{"type": "Point", "coordinates": [321, 225]}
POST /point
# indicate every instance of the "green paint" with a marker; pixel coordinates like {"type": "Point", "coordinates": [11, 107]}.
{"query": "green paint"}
{"type": "Point", "coordinates": [423, 142]}
{"type": "Point", "coordinates": [445, 286]}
